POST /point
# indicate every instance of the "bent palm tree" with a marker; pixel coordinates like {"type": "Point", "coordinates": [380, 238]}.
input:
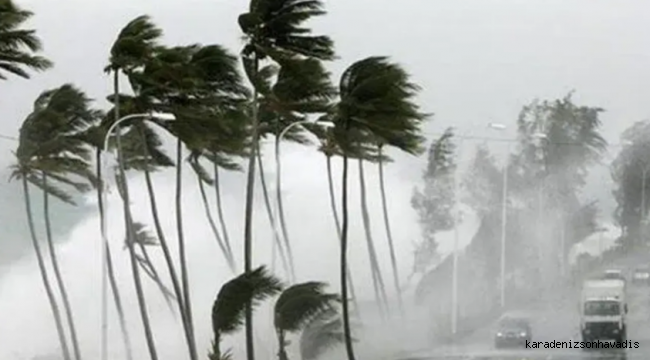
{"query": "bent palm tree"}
{"type": "Point", "coordinates": [302, 88]}
{"type": "Point", "coordinates": [376, 101]}
{"type": "Point", "coordinates": [133, 47]}
{"type": "Point", "coordinates": [49, 148]}
{"type": "Point", "coordinates": [229, 308]}
{"type": "Point", "coordinates": [21, 173]}
{"type": "Point", "coordinates": [273, 29]}
{"type": "Point", "coordinates": [190, 82]}
{"type": "Point", "coordinates": [296, 307]}
{"type": "Point", "coordinates": [50, 140]}
{"type": "Point", "coordinates": [17, 46]}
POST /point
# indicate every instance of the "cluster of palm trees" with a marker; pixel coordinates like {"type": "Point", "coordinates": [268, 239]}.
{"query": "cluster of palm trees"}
{"type": "Point", "coordinates": [219, 119]}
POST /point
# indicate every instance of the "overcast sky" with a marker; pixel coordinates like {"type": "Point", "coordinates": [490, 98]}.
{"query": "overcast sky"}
{"type": "Point", "coordinates": [478, 61]}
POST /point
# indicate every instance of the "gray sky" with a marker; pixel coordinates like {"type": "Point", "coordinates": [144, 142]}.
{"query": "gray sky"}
{"type": "Point", "coordinates": [478, 61]}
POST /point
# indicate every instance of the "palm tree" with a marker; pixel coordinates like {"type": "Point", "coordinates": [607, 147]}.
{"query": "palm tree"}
{"type": "Point", "coordinates": [134, 46]}
{"type": "Point", "coordinates": [229, 139]}
{"type": "Point", "coordinates": [192, 82]}
{"type": "Point", "coordinates": [376, 100]}
{"type": "Point", "coordinates": [302, 88]}
{"type": "Point", "coordinates": [321, 333]}
{"type": "Point", "coordinates": [50, 149]}
{"type": "Point", "coordinates": [17, 46]}
{"type": "Point", "coordinates": [22, 172]}
{"type": "Point", "coordinates": [296, 307]}
{"type": "Point", "coordinates": [273, 29]}
{"type": "Point", "coordinates": [228, 309]}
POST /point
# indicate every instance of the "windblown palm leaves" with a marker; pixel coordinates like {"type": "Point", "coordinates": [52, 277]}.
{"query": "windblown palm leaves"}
{"type": "Point", "coordinates": [273, 28]}
{"type": "Point", "coordinates": [228, 310]}
{"type": "Point", "coordinates": [52, 153]}
{"type": "Point", "coordinates": [17, 45]}
{"type": "Point", "coordinates": [376, 104]}
{"type": "Point", "coordinates": [297, 306]}
{"type": "Point", "coordinates": [321, 333]}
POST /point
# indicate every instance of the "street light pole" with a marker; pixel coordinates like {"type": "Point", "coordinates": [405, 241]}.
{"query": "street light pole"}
{"type": "Point", "coordinates": [504, 217]}
{"type": "Point", "coordinates": [104, 251]}
{"type": "Point", "coordinates": [278, 179]}
{"type": "Point", "coordinates": [540, 198]}
{"type": "Point", "coordinates": [454, 276]}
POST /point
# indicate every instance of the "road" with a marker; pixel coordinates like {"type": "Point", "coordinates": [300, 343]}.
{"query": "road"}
{"type": "Point", "coordinates": [557, 321]}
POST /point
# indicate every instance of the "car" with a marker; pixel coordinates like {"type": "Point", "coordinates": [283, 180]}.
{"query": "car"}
{"type": "Point", "coordinates": [641, 276]}
{"type": "Point", "coordinates": [613, 274]}
{"type": "Point", "coordinates": [513, 330]}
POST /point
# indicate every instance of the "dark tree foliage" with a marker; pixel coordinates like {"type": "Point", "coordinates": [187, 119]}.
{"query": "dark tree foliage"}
{"type": "Point", "coordinates": [434, 202]}
{"type": "Point", "coordinates": [630, 172]}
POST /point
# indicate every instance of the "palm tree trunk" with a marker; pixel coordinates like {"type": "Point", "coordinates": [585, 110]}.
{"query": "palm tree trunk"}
{"type": "Point", "coordinates": [58, 321]}
{"type": "Point", "coordinates": [168, 260]}
{"type": "Point", "coordinates": [287, 265]}
{"type": "Point", "coordinates": [185, 285]}
{"type": "Point", "coordinates": [347, 333]}
{"type": "Point", "coordinates": [222, 222]}
{"type": "Point", "coordinates": [378, 280]}
{"type": "Point", "coordinates": [57, 271]}
{"type": "Point", "coordinates": [389, 234]}
{"type": "Point", "coordinates": [283, 225]}
{"type": "Point", "coordinates": [213, 226]}
{"type": "Point", "coordinates": [248, 217]}
{"type": "Point", "coordinates": [282, 346]}
{"type": "Point", "coordinates": [330, 182]}
{"type": "Point", "coordinates": [130, 234]}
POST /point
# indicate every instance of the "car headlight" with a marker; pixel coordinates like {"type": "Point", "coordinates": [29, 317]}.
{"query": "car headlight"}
{"type": "Point", "coordinates": [499, 334]}
{"type": "Point", "coordinates": [523, 333]}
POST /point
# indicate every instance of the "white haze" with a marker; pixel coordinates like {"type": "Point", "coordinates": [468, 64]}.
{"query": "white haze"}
{"type": "Point", "coordinates": [27, 328]}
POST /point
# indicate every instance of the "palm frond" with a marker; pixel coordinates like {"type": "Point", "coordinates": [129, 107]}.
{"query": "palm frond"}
{"type": "Point", "coordinates": [142, 236]}
{"type": "Point", "coordinates": [298, 304]}
{"type": "Point", "coordinates": [18, 46]}
{"type": "Point", "coordinates": [377, 99]}
{"type": "Point", "coordinates": [321, 333]}
{"type": "Point", "coordinates": [134, 44]}
{"type": "Point", "coordinates": [252, 287]}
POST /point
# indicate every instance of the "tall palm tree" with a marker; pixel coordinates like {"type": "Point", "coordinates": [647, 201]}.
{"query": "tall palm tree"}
{"type": "Point", "coordinates": [296, 307]}
{"type": "Point", "coordinates": [302, 88]}
{"type": "Point", "coordinates": [273, 28]}
{"type": "Point", "coordinates": [50, 149]}
{"type": "Point", "coordinates": [133, 47]}
{"type": "Point", "coordinates": [376, 100]}
{"type": "Point", "coordinates": [17, 45]}
{"type": "Point", "coordinates": [192, 82]}
{"type": "Point", "coordinates": [59, 116]}
{"type": "Point", "coordinates": [228, 141]}
{"type": "Point", "coordinates": [22, 172]}
{"type": "Point", "coordinates": [228, 309]}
